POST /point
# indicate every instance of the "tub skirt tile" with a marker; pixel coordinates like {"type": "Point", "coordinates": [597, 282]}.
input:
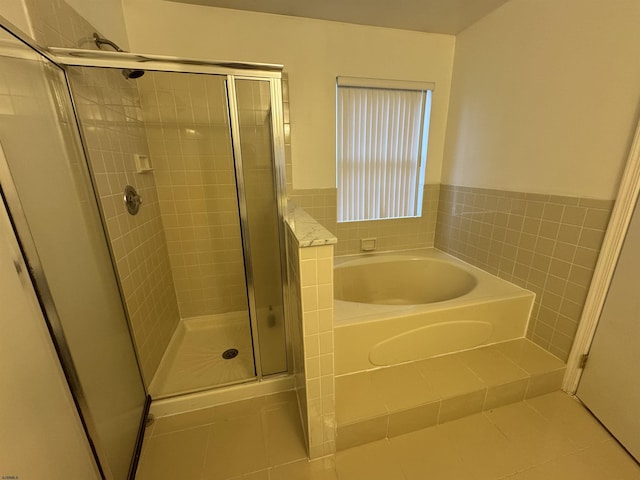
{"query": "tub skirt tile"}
{"type": "Point", "coordinates": [449, 376]}
{"type": "Point", "coordinates": [402, 387]}
{"type": "Point", "coordinates": [461, 406]}
{"type": "Point", "coordinates": [391, 402]}
{"type": "Point", "coordinates": [357, 399]}
{"type": "Point", "coordinates": [545, 383]}
{"type": "Point", "coordinates": [412, 419]}
{"type": "Point", "coordinates": [362, 432]}
{"type": "Point", "coordinates": [506, 394]}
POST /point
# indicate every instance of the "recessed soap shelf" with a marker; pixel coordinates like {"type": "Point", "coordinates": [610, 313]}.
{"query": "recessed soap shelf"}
{"type": "Point", "coordinates": [143, 163]}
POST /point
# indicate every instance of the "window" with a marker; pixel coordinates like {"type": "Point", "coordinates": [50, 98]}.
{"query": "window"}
{"type": "Point", "coordinates": [382, 136]}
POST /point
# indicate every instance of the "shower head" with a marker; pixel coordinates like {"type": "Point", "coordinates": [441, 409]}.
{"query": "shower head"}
{"type": "Point", "coordinates": [132, 74]}
{"type": "Point", "coordinates": [126, 72]}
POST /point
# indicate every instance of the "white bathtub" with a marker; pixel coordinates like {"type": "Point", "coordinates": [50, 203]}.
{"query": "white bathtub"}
{"type": "Point", "coordinates": [401, 280]}
{"type": "Point", "coordinates": [399, 307]}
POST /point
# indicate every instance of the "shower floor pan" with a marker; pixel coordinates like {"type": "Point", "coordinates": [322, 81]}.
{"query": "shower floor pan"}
{"type": "Point", "coordinates": [194, 359]}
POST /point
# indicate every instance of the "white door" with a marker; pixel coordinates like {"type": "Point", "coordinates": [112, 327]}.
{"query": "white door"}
{"type": "Point", "coordinates": [610, 383]}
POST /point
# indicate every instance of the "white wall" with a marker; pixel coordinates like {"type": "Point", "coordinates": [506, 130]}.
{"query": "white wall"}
{"type": "Point", "coordinates": [545, 97]}
{"type": "Point", "coordinates": [313, 52]}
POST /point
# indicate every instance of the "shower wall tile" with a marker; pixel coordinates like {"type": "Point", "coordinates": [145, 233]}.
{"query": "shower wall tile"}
{"type": "Point", "coordinates": [56, 24]}
{"type": "Point", "coordinates": [548, 244]}
{"type": "Point", "coordinates": [111, 120]}
{"type": "Point", "coordinates": [311, 280]}
{"type": "Point", "coordinates": [187, 126]}
{"type": "Point", "coordinates": [396, 234]}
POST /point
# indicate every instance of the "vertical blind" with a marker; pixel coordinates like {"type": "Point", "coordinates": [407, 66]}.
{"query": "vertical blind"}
{"type": "Point", "coordinates": [381, 151]}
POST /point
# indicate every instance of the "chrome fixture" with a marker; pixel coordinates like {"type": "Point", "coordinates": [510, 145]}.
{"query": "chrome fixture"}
{"type": "Point", "coordinates": [132, 200]}
{"type": "Point", "coordinates": [126, 72]}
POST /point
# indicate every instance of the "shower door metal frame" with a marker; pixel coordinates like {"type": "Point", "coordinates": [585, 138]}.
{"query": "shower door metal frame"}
{"type": "Point", "coordinates": [232, 100]}
{"type": "Point", "coordinates": [277, 131]}
{"type": "Point", "coordinates": [280, 188]}
{"type": "Point", "coordinates": [279, 184]}
{"type": "Point", "coordinates": [75, 57]}
{"type": "Point", "coordinates": [69, 57]}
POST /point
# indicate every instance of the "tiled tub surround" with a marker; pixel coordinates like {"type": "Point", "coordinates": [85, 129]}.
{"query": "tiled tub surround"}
{"type": "Point", "coordinates": [396, 234]}
{"type": "Point", "coordinates": [310, 284]}
{"type": "Point", "coordinates": [439, 305]}
{"type": "Point", "coordinates": [392, 401]}
{"type": "Point", "coordinates": [548, 244]}
{"type": "Point", "coordinates": [545, 243]}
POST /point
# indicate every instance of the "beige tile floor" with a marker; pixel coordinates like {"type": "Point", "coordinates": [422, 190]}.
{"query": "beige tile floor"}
{"type": "Point", "coordinates": [544, 438]}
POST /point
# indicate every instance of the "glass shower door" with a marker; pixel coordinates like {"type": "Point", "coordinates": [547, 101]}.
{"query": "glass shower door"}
{"type": "Point", "coordinates": [186, 119]}
{"type": "Point", "coordinates": [257, 170]}
{"type": "Point", "coordinates": [49, 193]}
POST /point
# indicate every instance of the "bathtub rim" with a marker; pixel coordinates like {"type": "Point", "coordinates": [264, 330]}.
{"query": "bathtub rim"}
{"type": "Point", "coordinates": [489, 287]}
{"type": "Point", "coordinates": [469, 276]}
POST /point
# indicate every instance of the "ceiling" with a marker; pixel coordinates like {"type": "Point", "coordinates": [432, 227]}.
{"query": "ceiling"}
{"type": "Point", "coordinates": [437, 16]}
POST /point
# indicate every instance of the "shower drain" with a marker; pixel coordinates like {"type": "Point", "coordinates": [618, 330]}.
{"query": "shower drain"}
{"type": "Point", "coordinates": [229, 354]}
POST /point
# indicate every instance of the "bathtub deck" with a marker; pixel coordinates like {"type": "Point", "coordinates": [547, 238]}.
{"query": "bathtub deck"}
{"type": "Point", "coordinates": [392, 401]}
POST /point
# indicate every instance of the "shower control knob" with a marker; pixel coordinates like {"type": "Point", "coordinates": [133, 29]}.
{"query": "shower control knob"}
{"type": "Point", "coordinates": [132, 200]}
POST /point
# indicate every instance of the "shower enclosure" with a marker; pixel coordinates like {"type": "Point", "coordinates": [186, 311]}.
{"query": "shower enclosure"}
{"type": "Point", "coordinates": [150, 209]}
{"type": "Point", "coordinates": [199, 263]}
